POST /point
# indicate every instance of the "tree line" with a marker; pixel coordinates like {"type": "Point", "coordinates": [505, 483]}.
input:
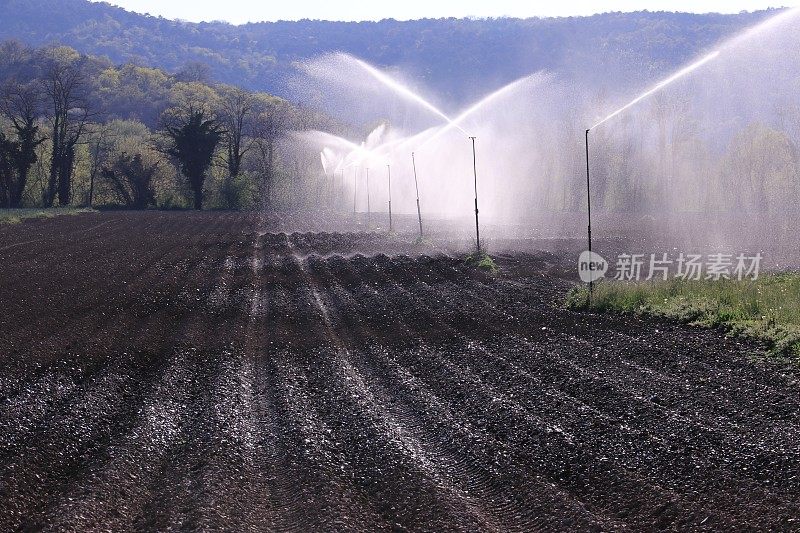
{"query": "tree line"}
{"type": "Point", "coordinates": [605, 50]}
{"type": "Point", "coordinates": [78, 130]}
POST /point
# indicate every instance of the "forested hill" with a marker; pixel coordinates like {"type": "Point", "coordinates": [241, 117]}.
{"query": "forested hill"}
{"type": "Point", "coordinates": [456, 58]}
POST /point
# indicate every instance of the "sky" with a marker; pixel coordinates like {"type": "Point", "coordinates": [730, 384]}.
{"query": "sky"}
{"type": "Point", "coordinates": [241, 11]}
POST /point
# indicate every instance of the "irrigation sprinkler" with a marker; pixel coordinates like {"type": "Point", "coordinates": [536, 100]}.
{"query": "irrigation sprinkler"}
{"type": "Point", "coordinates": [328, 190]}
{"type": "Point", "coordinates": [589, 208]}
{"type": "Point", "coordinates": [369, 210]}
{"type": "Point", "coordinates": [342, 190]}
{"type": "Point", "coordinates": [416, 186]}
{"type": "Point", "coordinates": [355, 188]}
{"type": "Point", "coordinates": [681, 73]}
{"type": "Point", "coordinates": [389, 172]}
{"type": "Point", "coordinates": [475, 174]}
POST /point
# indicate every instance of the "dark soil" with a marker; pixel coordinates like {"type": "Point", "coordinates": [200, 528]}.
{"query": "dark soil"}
{"type": "Point", "coordinates": [220, 371]}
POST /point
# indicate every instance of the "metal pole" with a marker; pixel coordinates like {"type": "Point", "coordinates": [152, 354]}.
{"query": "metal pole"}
{"type": "Point", "coordinates": [475, 174]}
{"type": "Point", "coordinates": [355, 188]}
{"type": "Point", "coordinates": [369, 210]}
{"type": "Point", "coordinates": [589, 207]}
{"type": "Point", "coordinates": [389, 170]}
{"type": "Point", "coordinates": [328, 189]}
{"type": "Point", "coordinates": [416, 186]}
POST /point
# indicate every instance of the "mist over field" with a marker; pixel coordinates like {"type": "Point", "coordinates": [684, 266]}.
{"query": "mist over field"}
{"type": "Point", "coordinates": [527, 89]}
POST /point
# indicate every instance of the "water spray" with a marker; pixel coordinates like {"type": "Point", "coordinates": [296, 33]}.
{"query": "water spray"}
{"type": "Point", "coordinates": [403, 90]}
{"type": "Point", "coordinates": [659, 86]}
{"type": "Point", "coordinates": [537, 78]}
{"type": "Point", "coordinates": [654, 89]}
{"type": "Point", "coordinates": [475, 174]}
{"type": "Point", "coordinates": [416, 186]}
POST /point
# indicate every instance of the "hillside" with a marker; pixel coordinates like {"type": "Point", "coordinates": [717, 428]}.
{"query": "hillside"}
{"type": "Point", "coordinates": [608, 49]}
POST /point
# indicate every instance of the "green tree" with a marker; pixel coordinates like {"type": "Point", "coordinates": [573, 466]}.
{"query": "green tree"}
{"type": "Point", "coordinates": [7, 149]}
{"type": "Point", "coordinates": [194, 140]}
{"type": "Point", "coordinates": [20, 105]}
{"type": "Point", "coordinates": [131, 179]}
{"type": "Point", "coordinates": [758, 173]}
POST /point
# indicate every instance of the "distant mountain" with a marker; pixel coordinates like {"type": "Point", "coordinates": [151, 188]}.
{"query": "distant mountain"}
{"type": "Point", "coordinates": [458, 58]}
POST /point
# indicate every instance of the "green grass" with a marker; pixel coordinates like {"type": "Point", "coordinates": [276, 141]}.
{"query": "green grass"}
{"type": "Point", "coordinates": [481, 261]}
{"type": "Point", "coordinates": [767, 309]}
{"type": "Point", "coordinates": [15, 216]}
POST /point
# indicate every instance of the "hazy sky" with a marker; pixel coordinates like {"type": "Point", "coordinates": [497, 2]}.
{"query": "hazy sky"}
{"type": "Point", "coordinates": [238, 11]}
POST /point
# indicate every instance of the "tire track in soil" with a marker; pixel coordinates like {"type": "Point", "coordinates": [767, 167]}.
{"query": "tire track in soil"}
{"type": "Point", "coordinates": [372, 305]}
{"type": "Point", "coordinates": [90, 423]}
{"type": "Point", "coordinates": [192, 490]}
{"type": "Point", "coordinates": [675, 397]}
{"type": "Point", "coordinates": [600, 394]}
{"type": "Point", "coordinates": [728, 389]}
{"type": "Point", "coordinates": [699, 451]}
{"type": "Point", "coordinates": [479, 463]}
{"type": "Point", "coordinates": [403, 430]}
{"type": "Point", "coordinates": [84, 430]}
{"type": "Point", "coordinates": [468, 290]}
{"type": "Point", "coordinates": [457, 387]}
{"type": "Point", "coordinates": [286, 391]}
{"type": "Point", "coordinates": [311, 488]}
{"type": "Point", "coordinates": [28, 401]}
{"type": "Point", "coordinates": [672, 391]}
{"type": "Point", "coordinates": [492, 395]}
{"type": "Point", "coordinates": [661, 452]}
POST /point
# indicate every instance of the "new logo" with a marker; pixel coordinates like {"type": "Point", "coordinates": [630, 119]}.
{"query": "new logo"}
{"type": "Point", "coordinates": [591, 267]}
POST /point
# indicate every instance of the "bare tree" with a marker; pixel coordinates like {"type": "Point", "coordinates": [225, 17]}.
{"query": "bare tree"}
{"type": "Point", "coordinates": [101, 143]}
{"type": "Point", "coordinates": [66, 88]}
{"type": "Point", "coordinates": [235, 114]}
{"type": "Point", "coordinates": [270, 125]}
{"type": "Point", "coordinates": [194, 71]}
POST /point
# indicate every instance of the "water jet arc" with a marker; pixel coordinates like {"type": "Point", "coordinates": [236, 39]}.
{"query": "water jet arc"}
{"type": "Point", "coordinates": [684, 71]}
{"type": "Point", "coordinates": [404, 91]}
{"type": "Point", "coordinates": [480, 105]}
